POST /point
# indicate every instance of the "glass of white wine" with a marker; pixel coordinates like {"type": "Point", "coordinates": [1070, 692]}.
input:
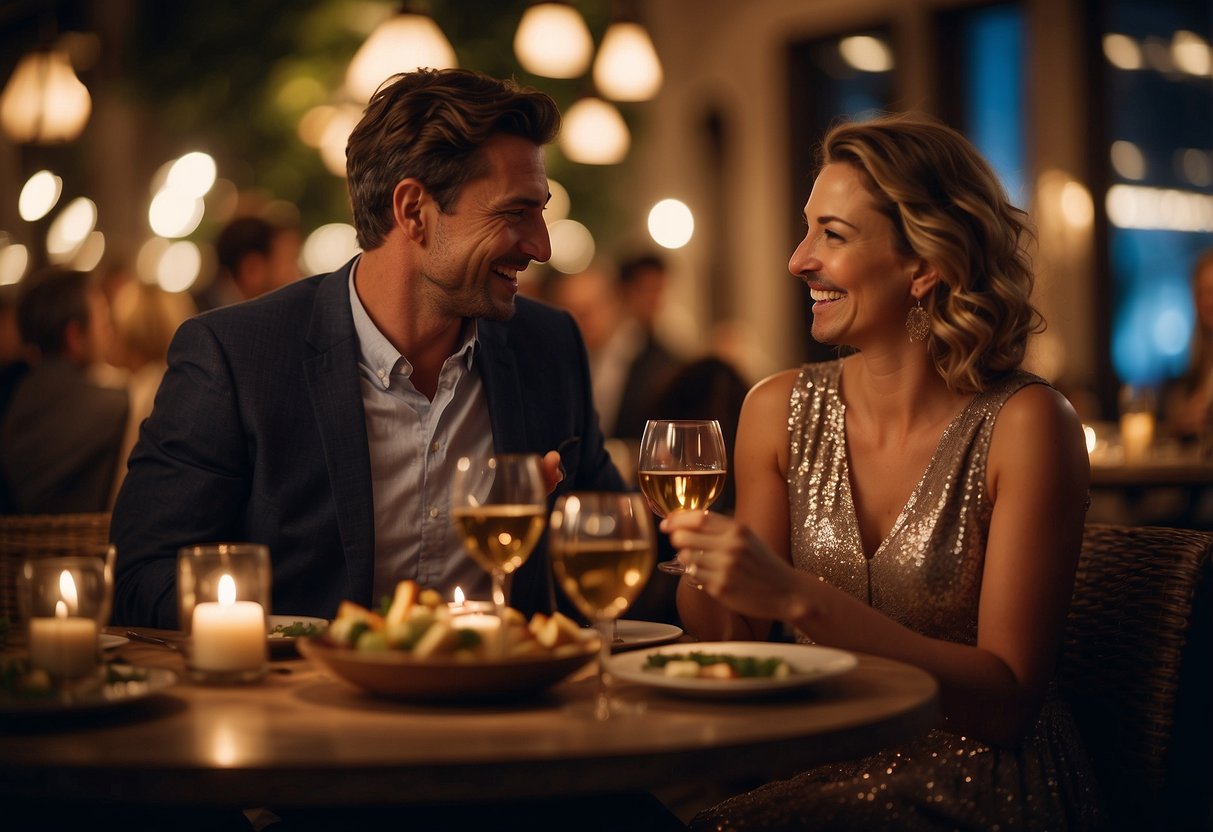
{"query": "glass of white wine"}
{"type": "Point", "coordinates": [498, 506]}
{"type": "Point", "coordinates": [682, 465]}
{"type": "Point", "coordinates": [602, 550]}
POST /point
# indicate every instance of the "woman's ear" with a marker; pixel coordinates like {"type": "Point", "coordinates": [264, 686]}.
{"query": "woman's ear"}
{"type": "Point", "coordinates": [923, 279]}
{"type": "Point", "coordinates": [409, 201]}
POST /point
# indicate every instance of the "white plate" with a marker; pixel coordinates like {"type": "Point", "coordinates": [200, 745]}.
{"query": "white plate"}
{"type": "Point", "coordinates": [632, 634]}
{"type": "Point", "coordinates": [810, 664]}
{"type": "Point", "coordinates": [279, 640]}
{"type": "Point", "coordinates": [109, 642]}
{"type": "Point", "coordinates": [152, 680]}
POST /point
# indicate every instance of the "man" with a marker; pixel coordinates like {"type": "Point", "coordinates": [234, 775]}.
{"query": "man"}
{"type": "Point", "coordinates": [629, 367]}
{"type": "Point", "coordinates": [324, 420]}
{"type": "Point", "coordinates": [255, 256]}
{"type": "Point", "coordinates": [60, 433]}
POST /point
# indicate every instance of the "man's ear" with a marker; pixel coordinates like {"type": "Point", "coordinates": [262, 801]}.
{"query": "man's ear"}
{"type": "Point", "coordinates": [75, 341]}
{"type": "Point", "coordinates": [410, 201]}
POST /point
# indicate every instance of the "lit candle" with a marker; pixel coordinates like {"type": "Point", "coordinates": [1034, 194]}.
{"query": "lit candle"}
{"type": "Point", "coordinates": [228, 635]}
{"type": "Point", "coordinates": [64, 646]}
{"type": "Point", "coordinates": [485, 625]}
{"type": "Point", "coordinates": [460, 606]}
{"type": "Point", "coordinates": [1136, 434]}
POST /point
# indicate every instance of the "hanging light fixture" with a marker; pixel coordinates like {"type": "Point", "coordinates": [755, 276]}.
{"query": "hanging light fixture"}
{"type": "Point", "coordinates": [594, 133]}
{"type": "Point", "coordinates": [627, 67]}
{"type": "Point", "coordinates": [553, 41]}
{"type": "Point", "coordinates": [44, 102]}
{"type": "Point", "coordinates": [401, 43]}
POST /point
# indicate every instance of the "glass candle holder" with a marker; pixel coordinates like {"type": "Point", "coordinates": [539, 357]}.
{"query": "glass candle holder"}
{"type": "Point", "coordinates": [65, 602]}
{"type": "Point", "coordinates": [223, 590]}
{"type": "Point", "coordinates": [1137, 407]}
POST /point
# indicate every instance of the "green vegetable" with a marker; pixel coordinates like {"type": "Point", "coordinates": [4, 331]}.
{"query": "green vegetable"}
{"type": "Point", "coordinates": [743, 666]}
{"type": "Point", "coordinates": [295, 629]}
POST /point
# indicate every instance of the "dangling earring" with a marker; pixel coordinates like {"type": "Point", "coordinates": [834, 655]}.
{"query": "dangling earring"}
{"type": "Point", "coordinates": [918, 323]}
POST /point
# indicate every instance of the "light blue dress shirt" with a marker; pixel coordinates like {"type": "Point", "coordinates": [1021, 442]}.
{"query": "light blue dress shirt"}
{"type": "Point", "coordinates": [414, 445]}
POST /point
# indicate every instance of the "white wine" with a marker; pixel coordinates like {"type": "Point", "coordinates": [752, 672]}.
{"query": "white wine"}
{"type": "Point", "coordinates": [500, 536]}
{"type": "Point", "coordinates": [603, 577]}
{"type": "Point", "coordinates": [669, 491]}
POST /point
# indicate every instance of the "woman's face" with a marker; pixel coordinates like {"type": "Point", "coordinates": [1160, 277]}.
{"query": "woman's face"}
{"type": "Point", "coordinates": [859, 282]}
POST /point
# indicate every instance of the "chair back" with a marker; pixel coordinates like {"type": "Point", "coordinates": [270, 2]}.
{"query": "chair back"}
{"type": "Point", "coordinates": [1135, 668]}
{"type": "Point", "coordinates": [43, 535]}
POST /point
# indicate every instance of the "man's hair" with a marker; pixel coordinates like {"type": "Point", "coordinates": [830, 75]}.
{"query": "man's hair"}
{"type": "Point", "coordinates": [241, 236]}
{"type": "Point", "coordinates": [430, 125]}
{"type": "Point", "coordinates": [50, 300]}
{"type": "Point", "coordinates": [948, 207]}
{"type": "Point", "coordinates": [633, 267]}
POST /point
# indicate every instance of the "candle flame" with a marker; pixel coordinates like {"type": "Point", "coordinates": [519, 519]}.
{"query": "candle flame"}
{"type": "Point", "coordinates": [67, 589]}
{"type": "Point", "coordinates": [458, 596]}
{"type": "Point", "coordinates": [227, 591]}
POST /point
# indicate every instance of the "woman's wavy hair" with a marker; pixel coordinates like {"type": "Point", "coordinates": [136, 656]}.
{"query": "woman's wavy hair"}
{"type": "Point", "coordinates": [949, 208]}
{"type": "Point", "coordinates": [430, 125]}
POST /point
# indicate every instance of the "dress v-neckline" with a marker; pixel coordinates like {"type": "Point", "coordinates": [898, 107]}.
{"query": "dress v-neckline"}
{"type": "Point", "coordinates": [849, 497]}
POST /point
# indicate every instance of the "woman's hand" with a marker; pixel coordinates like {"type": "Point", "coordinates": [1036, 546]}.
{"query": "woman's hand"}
{"type": "Point", "coordinates": [732, 565]}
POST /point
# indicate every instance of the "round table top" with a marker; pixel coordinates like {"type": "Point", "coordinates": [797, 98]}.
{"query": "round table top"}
{"type": "Point", "coordinates": [305, 739]}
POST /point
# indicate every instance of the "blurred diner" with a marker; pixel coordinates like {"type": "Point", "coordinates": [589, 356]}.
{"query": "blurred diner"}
{"type": "Point", "coordinates": [145, 318]}
{"type": "Point", "coordinates": [60, 431]}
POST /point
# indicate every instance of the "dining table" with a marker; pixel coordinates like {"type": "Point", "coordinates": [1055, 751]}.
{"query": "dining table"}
{"type": "Point", "coordinates": [304, 738]}
{"type": "Point", "coordinates": [1165, 486]}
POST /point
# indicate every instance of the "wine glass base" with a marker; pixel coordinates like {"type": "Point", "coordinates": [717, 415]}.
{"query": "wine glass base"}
{"type": "Point", "coordinates": [606, 708]}
{"type": "Point", "coordinates": [672, 567]}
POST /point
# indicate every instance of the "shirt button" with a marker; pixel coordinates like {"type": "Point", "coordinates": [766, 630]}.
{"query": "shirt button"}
{"type": "Point", "coordinates": [435, 445]}
{"type": "Point", "coordinates": [381, 374]}
{"type": "Point", "coordinates": [434, 512]}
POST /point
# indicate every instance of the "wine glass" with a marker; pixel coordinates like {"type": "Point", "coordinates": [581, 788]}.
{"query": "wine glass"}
{"type": "Point", "coordinates": [602, 550]}
{"type": "Point", "coordinates": [682, 465]}
{"type": "Point", "coordinates": [498, 506]}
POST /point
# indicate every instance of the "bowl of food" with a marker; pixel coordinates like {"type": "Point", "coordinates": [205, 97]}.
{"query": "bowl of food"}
{"type": "Point", "coordinates": [419, 650]}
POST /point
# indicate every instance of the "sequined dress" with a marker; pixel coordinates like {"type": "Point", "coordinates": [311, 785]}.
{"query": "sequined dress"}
{"type": "Point", "coordinates": [926, 575]}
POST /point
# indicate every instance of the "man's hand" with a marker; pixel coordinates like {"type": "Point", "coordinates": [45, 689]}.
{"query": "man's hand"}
{"type": "Point", "coordinates": [553, 471]}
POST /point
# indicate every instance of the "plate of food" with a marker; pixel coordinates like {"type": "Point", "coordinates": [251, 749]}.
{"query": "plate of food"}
{"type": "Point", "coordinates": [27, 693]}
{"type": "Point", "coordinates": [731, 669]}
{"type": "Point", "coordinates": [420, 651]}
{"type": "Point", "coordinates": [282, 631]}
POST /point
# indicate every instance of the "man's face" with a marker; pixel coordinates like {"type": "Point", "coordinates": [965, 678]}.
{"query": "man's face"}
{"type": "Point", "coordinates": [492, 232]}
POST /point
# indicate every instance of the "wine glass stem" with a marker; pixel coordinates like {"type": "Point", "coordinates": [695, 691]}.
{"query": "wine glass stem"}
{"type": "Point", "coordinates": [499, 609]}
{"type": "Point", "coordinates": [602, 700]}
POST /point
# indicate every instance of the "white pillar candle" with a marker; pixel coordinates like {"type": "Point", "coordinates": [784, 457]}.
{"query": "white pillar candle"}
{"type": "Point", "coordinates": [486, 625]}
{"type": "Point", "coordinates": [1136, 435]}
{"type": "Point", "coordinates": [64, 646]}
{"type": "Point", "coordinates": [228, 635]}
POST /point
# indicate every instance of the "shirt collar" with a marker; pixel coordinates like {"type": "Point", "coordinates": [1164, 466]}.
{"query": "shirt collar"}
{"type": "Point", "coordinates": [377, 352]}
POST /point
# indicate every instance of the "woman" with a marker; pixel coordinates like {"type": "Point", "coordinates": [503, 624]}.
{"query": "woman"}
{"type": "Point", "coordinates": [922, 498]}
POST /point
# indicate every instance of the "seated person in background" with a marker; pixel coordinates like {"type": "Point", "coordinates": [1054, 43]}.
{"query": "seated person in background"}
{"type": "Point", "coordinates": [60, 433]}
{"type": "Point", "coordinates": [642, 282]}
{"type": "Point", "coordinates": [255, 256]}
{"type": "Point", "coordinates": [1189, 398]}
{"type": "Point", "coordinates": [628, 369]}
{"type": "Point", "coordinates": [921, 498]}
{"type": "Point", "coordinates": [325, 420]}
{"type": "Point", "coordinates": [145, 318]}
{"type": "Point", "coordinates": [707, 388]}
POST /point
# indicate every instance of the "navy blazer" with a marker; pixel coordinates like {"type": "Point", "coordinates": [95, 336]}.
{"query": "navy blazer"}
{"type": "Point", "coordinates": [258, 434]}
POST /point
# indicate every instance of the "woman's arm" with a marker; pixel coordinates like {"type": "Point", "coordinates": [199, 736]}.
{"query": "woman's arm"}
{"type": "Point", "coordinates": [1038, 476]}
{"type": "Point", "coordinates": [760, 472]}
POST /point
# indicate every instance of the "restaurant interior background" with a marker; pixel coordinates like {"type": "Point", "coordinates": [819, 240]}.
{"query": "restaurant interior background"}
{"type": "Point", "coordinates": [1097, 113]}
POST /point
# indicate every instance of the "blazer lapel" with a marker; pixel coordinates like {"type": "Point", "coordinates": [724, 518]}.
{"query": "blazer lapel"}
{"type": "Point", "coordinates": [332, 381]}
{"type": "Point", "coordinates": [502, 389]}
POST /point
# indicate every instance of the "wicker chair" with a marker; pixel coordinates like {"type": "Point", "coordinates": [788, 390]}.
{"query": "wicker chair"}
{"type": "Point", "coordinates": [1136, 668]}
{"type": "Point", "coordinates": [44, 535]}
